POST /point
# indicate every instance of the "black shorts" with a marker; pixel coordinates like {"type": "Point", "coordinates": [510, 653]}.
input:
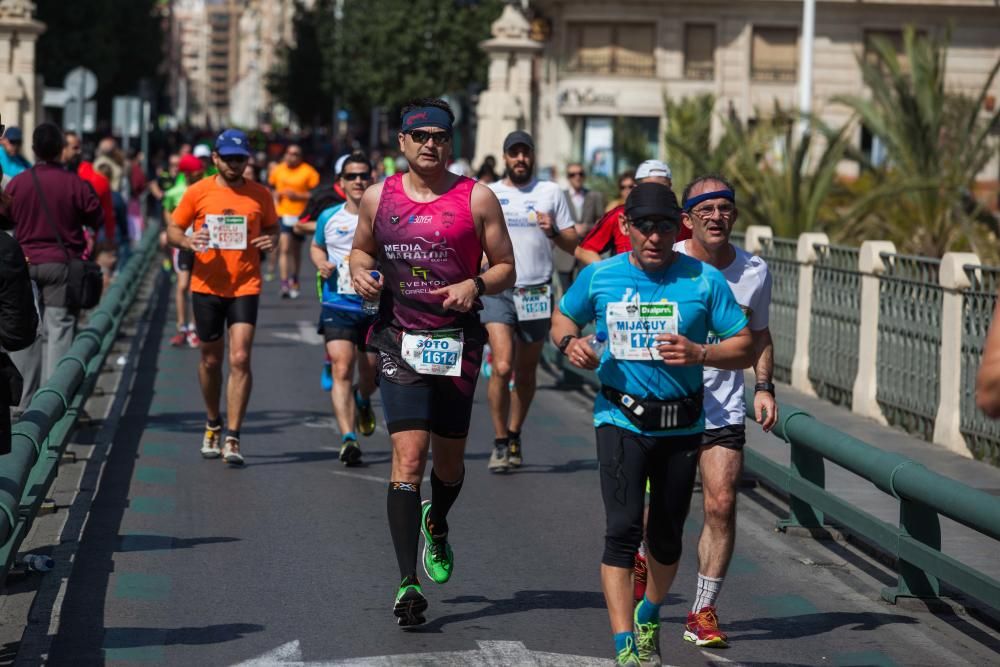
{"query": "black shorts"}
{"type": "Point", "coordinates": [183, 259]}
{"type": "Point", "coordinates": [342, 325]}
{"type": "Point", "coordinates": [214, 314]}
{"type": "Point", "coordinates": [733, 436]}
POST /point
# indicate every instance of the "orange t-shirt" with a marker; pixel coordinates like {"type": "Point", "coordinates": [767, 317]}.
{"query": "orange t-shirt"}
{"type": "Point", "coordinates": [227, 273]}
{"type": "Point", "coordinates": [301, 179]}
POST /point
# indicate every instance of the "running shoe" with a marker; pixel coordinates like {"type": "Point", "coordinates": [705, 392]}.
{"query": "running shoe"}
{"type": "Point", "coordinates": [410, 604]}
{"type": "Point", "coordinates": [231, 451]}
{"type": "Point", "coordinates": [326, 377]}
{"type": "Point", "coordinates": [284, 290]}
{"type": "Point", "coordinates": [628, 656]}
{"type": "Point", "coordinates": [366, 416]}
{"type": "Point", "coordinates": [514, 452]}
{"type": "Point", "coordinates": [647, 641]}
{"type": "Point", "coordinates": [293, 290]}
{"type": "Point", "coordinates": [268, 276]}
{"type": "Point", "coordinates": [178, 339]}
{"type": "Point", "coordinates": [192, 339]}
{"type": "Point", "coordinates": [639, 573]}
{"type": "Point", "coordinates": [210, 443]}
{"type": "Point", "coordinates": [703, 629]}
{"type": "Point", "coordinates": [350, 453]}
{"type": "Point", "coordinates": [439, 561]}
{"type": "Point", "coordinates": [499, 459]}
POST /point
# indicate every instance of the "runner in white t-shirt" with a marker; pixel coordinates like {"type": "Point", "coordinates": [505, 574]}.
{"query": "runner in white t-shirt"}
{"type": "Point", "coordinates": [518, 319]}
{"type": "Point", "coordinates": [343, 322]}
{"type": "Point", "coordinates": [710, 213]}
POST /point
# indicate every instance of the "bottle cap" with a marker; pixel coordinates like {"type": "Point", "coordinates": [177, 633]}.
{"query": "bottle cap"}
{"type": "Point", "coordinates": [375, 275]}
{"type": "Point", "coordinates": [601, 336]}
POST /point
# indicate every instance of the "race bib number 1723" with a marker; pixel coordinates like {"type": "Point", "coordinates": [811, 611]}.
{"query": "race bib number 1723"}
{"type": "Point", "coordinates": [633, 328]}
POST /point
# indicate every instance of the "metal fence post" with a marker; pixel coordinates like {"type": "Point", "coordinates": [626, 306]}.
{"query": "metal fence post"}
{"type": "Point", "coordinates": [922, 524]}
{"type": "Point", "coordinates": [806, 255]}
{"type": "Point", "coordinates": [953, 281]}
{"type": "Point", "coordinates": [863, 399]}
{"type": "Point", "coordinates": [809, 466]}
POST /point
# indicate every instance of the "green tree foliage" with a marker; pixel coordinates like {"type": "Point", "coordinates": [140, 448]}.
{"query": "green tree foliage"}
{"type": "Point", "coordinates": [688, 137]}
{"type": "Point", "coordinates": [298, 79]}
{"type": "Point", "coordinates": [937, 142]}
{"type": "Point", "coordinates": [120, 41]}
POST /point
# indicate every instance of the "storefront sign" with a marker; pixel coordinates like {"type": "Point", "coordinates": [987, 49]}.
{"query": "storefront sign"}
{"type": "Point", "coordinates": [586, 97]}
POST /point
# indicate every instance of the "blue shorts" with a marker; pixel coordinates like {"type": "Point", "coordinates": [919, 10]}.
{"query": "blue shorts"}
{"type": "Point", "coordinates": [337, 324]}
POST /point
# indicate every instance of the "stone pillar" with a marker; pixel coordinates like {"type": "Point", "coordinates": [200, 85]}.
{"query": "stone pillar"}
{"type": "Point", "coordinates": [754, 234]}
{"type": "Point", "coordinates": [20, 87]}
{"type": "Point", "coordinates": [865, 383]}
{"type": "Point", "coordinates": [806, 256]}
{"type": "Point", "coordinates": [953, 281]}
{"type": "Point", "coordinates": [505, 105]}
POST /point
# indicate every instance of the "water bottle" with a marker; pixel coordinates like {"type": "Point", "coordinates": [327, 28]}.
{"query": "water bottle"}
{"type": "Point", "coordinates": [371, 307]}
{"type": "Point", "coordinates": [38, 563]}
{"type": "Point", "coordinates": [598, 342]}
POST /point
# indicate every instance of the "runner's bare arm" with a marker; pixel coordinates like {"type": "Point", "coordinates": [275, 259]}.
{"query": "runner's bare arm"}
{"type": "Point", "coordinates": [318, 256]}
{"type": "Point", "coordinates": [733, 354]}
{"type": "Point", "coordinates": [586, 257]}
{"type": "Point", "coordinates": [496, 241]}
{"type": "Point", "coordinates": [579, 352]}
{"type": "Point", "coordinates": [765, 407]}
{"type": "Point", "coordinates": [177, 239]}
{"type": "Point", "coordinates": [363, 252]}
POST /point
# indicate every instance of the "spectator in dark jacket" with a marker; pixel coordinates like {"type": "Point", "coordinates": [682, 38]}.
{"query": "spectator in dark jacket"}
{"type": "Point", "coordinates": [72, 205]}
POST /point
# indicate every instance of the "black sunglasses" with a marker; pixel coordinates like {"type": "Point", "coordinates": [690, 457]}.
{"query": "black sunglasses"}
{"type": "Point", "coordinates": [234, 159]}
{"type": "Point", "coordinates": [574, 174]}
{"type": "Point", "coordinates": [648, 225]}
{"type": "Point", "coordinates": [359, 176]}
{"type": "Point", "coordinates": [422, 137]}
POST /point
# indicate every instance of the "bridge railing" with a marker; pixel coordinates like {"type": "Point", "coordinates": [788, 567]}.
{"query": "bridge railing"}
{"type": "Point", "coordinates": [39, 438]}
{"type": "Point", "coordinates": [894, 337]}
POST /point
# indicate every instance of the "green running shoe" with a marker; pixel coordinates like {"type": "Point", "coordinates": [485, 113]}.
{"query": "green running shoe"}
{"type": "Point", "coordinates": [439, 560]}
{"type": "Point", "coordinates": [628, 656]}
{"type": "Point", "coordinates": [366, 415]}
{"type": "Point", "coordinates": [410, 604]}
{"type": "Point", "coordinates": [350, 453]}
{"type": "Point", "coordinates": [647, 639]}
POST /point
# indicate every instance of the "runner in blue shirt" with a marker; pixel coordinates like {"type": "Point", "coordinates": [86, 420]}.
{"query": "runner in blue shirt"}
{"type": "Point", "coordinates": [657, 308]}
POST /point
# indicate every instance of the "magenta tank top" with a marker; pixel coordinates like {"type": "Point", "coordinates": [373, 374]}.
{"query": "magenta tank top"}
{"type": "Point", "coordinates": [423, 247]}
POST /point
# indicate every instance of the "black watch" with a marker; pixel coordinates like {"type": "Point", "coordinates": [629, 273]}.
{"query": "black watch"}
{"type": "Point", "coordinates": [764, 386]}
{"type": "Point", "coordinates": [564, 342]}
{"type": "Point", "coordinates": [480, 286]}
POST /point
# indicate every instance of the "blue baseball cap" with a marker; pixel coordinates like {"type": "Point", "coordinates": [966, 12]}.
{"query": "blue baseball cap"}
{"type": "Point", "coordinates": [13, 134]}
{"type": "Point", "coordinates": [232, 142]}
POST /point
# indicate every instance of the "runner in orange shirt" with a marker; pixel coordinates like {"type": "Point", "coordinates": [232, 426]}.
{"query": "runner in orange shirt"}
{"type": "Point", "coordinates": [291, 182]}
{"type": "Point", "coordinates": [234, 221]}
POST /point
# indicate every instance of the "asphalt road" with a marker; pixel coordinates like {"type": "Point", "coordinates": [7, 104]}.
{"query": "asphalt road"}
{"type": "Point", "coordinates": [184, 561]}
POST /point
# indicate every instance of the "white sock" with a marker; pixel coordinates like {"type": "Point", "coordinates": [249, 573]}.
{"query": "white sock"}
{"type": "Point", "coordinates": [708, 591]}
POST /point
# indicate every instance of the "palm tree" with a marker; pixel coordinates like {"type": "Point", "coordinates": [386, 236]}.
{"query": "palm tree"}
{"type": "Point", "coordinates": [936, 142]}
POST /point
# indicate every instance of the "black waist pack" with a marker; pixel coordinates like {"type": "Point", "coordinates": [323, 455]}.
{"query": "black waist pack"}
{"type": "Point", "coordinates": [651, 415]}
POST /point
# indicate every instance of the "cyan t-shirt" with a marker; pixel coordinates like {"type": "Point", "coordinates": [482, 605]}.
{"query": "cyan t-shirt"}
{"type": "Point", "coordinates": [703, 301]}
{"type": "Point", "coordinates": [335, 231]}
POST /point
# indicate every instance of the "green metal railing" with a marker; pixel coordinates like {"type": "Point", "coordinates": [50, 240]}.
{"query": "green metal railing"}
{"type": "Point", "coordinates": [835, 323]}
{"type": "Point", "coordinates": [39, 438]}
{"type": "Point", "coordinates": [909, 342]}
{"type": "Point", "coordinates": [924, 496]}
{"type": "Point", "coordinates": [739, 238]}
{"type": "Point", "coordinates": [982, 434]}
{"type": "Point", "coordinates": [780, 255]}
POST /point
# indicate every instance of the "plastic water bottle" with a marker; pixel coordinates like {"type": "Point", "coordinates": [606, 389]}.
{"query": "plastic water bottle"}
{"type": "Point", "coordinates": [38, 563]}
{"type": "Point", "coordinates": [598, 342]}
{"type": "Point", "coordinates": [371, 307]}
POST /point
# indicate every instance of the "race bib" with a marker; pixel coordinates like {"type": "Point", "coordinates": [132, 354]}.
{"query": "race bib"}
{"type": "Point", "coordinates": [227, 232]}
{"type": "Point", "coordinates": [633, 328]}
{"type": "Point", "coordinates": [289, 220]}
{"type": "Point", "coordinates": [434, 353]}
{"type": "Point", "coordinates": [344, 283]}
{"type": "Point", "coordinates": [533, 303]}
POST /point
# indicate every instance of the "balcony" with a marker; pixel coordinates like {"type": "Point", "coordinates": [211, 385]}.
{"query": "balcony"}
{"type": "Point", "coordinates": [613, 62]}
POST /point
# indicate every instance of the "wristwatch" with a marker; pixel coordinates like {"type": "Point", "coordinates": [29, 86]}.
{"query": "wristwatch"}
{"type": "Point", "coordinates": [764, 386]}
{"type": "Point", "coordinates": [480, 286]}
{"type": "Point", "coordinates": [564, 342]}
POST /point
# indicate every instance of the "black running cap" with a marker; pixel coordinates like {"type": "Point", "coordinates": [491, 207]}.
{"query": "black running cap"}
{"type": "Point", "coordinates": [649, 199]}
{"type": "Point", "coordinates": [518, 137]}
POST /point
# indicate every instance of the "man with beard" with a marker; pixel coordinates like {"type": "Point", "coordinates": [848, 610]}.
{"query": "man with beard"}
{"type": "Point", "coordinates": [518, 319]}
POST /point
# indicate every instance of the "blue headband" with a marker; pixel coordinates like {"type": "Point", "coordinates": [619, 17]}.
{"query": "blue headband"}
{"type": "Point", "coordinates": [691, 202]}
{"type": "Point", "coordinates": [427, 117]}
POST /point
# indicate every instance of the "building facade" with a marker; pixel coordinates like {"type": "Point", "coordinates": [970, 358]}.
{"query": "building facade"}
{"type": "Point", "coordinates": [20, 86]}
{"type": "Point", "coordinates": [599, 73]}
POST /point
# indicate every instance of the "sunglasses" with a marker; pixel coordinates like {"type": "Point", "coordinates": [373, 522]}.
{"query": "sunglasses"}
{"type": "Point", "coordinates": [234, 159]}
{"type": "Point", "coordinates": [422, 137]}
{"type": "Point", "coordinates": [646, 226]}
{"type": "Point", "coordinates": [575, 174]}
{"type": "Point", "coordinates": [360, 176]}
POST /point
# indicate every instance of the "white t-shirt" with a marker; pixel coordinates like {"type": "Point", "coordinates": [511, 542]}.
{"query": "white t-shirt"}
{"type": "Point", "coordinates": [532, 249]}
{"type": "Point", "coordinates": [750, 282]}
{"type": "Point", "coordinates": [335, 229]}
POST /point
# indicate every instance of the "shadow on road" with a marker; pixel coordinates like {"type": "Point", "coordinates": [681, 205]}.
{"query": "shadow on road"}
{"type": "Point", "coordinates": [140, 542]}
{"type": "Point", "coordinates": [804, 625]}
{"type": "Point", "coordinates": [194, 636]}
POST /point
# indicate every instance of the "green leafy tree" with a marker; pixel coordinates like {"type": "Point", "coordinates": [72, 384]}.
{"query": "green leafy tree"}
{"type": "Point", "coordinates": [936, 142]}
{"type": "Point", "coordinates": [688, 136]}
{"type": "Point", "coordinates": [297, 80]}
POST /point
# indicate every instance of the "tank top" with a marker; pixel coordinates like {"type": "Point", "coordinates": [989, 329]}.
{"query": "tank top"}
{"type": "Point", "coordinates": [423, 247]}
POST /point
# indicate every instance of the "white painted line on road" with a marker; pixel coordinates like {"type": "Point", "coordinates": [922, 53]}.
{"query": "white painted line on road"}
{"type": "Point", "coordinates": [715, 657]}
{"type": "Point", "coordinates": [306, 334]}
{"type": "Point", "coordinates": [368, 478]}
{"type": "Point", "coordinates": [492, 653]}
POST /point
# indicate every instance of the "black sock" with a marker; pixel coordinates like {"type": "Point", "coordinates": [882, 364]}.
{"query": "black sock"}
{"type": "Point", "coordinates": [443, 495]}
{"type": "Point", "coordinates": [514, 435]}
{"type": "Point", "coordinates": [501, 441]}
{"type": "Point", "coordinates": [214, 424]}
{"type": "Point", "coordinates": [403, 508]}
{"type": "Point", "coordinates": [230, 433]}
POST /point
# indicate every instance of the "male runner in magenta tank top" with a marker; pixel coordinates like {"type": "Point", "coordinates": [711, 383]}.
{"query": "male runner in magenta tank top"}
{"type": "Point", "coordinates": [426, 232]}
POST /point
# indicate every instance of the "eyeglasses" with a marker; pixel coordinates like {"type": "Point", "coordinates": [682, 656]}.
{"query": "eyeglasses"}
{"type": "Point", "coordinates": [574, 174]}
{"type": "Point", "coordinates": [233, 159]}
{"type": "Point", "coordinates": [646, 226]}
{"type": "Point", "coordinates": [422, 137]}
{"type": "Point", "coordinates": [359, 176]}
{"type": "Point", "coordinates": [705, 212]}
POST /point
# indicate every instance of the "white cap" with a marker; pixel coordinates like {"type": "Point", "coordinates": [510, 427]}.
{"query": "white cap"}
{"type": "Point", "coordinates": [338, 166]}
{"type": "Point", "coordinates": [652, 168]}
{"type": "Point", "coordinates": [201, 150]}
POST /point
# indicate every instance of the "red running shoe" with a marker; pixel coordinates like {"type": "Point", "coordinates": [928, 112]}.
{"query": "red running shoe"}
{"type": "Point", "coordinates": [179, 339]}
{"type": "Point", "coordinates": [703, 629]}
{"type": "Point", "coordinates": [639, 578]}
